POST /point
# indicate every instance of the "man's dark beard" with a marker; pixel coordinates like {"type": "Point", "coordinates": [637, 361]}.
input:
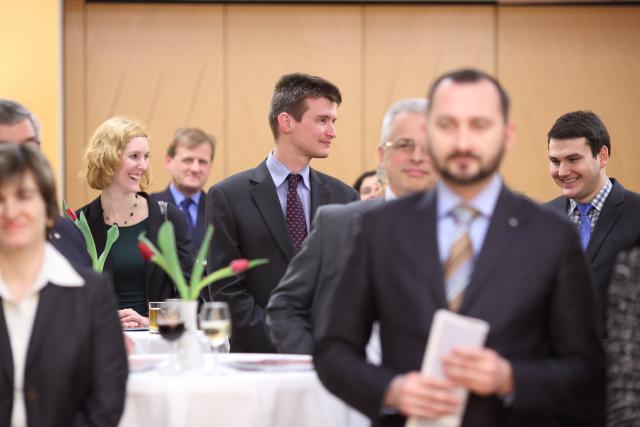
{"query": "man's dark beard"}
{"type": "Point", "coordinates": [481, 175]}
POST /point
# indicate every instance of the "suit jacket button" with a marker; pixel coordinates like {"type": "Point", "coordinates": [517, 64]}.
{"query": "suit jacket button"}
{"type": "Point", "coordinates": [31, 395]}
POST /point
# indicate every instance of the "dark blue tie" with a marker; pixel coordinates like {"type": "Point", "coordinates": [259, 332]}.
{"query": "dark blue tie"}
{"type": "Point", "coordinates": [184, 205]}
{"type": "Point", "coordinates": [585, 223]}
{"type": "Point", "coordinates": [296, 221]}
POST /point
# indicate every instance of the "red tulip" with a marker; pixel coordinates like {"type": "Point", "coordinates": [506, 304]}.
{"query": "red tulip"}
{"type": "Point", "coordinates": [146, 251]}
{"type": "Point", "coordinates": [71, 214]}
{"type": "Point", "coordinates": [239, 265]}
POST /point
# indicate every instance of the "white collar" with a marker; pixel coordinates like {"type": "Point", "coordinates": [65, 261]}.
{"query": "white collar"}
{"type": "Point", "coordinates": [55, 269]}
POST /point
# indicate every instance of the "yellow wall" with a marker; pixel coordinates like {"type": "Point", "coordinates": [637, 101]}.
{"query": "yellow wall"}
{"type": "Point", "coordinates": [30, 65]}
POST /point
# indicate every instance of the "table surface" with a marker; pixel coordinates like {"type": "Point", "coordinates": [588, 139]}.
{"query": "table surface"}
{"type": "Point", "coordinates": [285, 396]}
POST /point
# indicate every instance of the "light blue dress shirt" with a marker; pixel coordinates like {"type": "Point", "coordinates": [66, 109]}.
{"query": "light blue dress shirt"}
{"type": "Point", "coordinates": [279, 173]}
{"type": "Point", "coordinates": [179, 197]}
{"type": "Point", "coordinates": [484, 203]}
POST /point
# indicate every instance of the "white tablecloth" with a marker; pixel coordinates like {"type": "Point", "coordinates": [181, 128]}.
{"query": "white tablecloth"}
{"type": "Point", "coordinates": [236, 399]}
{"type": "Point", "coordinates": [146, 342]}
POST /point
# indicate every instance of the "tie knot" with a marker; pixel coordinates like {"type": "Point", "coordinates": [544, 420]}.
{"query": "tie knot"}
{"type": "Point", "coordinates": [463, 215]}
{"type": "Point", "coordinates": [584, 208]}
{"type": "Point", "coordinates": [186, 203]}
{"type": "Point", "coordinates": [293, 179]}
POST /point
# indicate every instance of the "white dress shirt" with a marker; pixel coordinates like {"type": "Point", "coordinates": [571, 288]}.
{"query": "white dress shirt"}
{"type": "Point", "coordinates": [20, 315]}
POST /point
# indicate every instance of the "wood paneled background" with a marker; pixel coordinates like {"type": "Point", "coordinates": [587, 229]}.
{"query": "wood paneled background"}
{"type": "Point", "coordinates": [214, 66]}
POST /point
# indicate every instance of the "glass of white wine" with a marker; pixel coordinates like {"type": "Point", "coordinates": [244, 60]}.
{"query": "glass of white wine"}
{"type": "Point", "coordinates": [215, 322]}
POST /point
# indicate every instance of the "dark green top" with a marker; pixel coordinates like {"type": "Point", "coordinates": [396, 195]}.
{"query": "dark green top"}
{"type": "Point", "coordinates": [128, 269]}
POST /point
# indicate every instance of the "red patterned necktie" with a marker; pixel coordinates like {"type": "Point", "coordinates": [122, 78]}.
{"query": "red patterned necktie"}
{"type": "Point", "coordinates": [296, 221]}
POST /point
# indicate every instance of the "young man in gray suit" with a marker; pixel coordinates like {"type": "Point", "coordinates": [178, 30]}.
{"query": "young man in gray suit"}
{"type": "Point", "coordinates": [472, 246]}
{"type": "Point", "coordinates": [266, 212]}
{"type": "Point", "coordinates": [295, 306]}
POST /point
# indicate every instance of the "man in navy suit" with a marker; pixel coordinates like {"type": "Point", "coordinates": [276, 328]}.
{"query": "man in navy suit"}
{"type": "Point", "coordinates": [266, 212]}
{"type": "Point", "coordinates": [579, 149]}
{"type": "Point", "coordinates": [472, 246]}
{"type": "Point", "coordinates": [18, 125]}
{"type": "Point", "coordinates": [189, 159]}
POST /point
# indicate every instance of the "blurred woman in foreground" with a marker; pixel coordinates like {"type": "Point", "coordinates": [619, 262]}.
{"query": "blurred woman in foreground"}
{"type": "Point", "coordinates": [62, 356]}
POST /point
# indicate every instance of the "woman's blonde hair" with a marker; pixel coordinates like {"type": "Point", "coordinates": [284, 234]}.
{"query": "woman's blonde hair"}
{"type": "Point", "coordinates": [103, 155]}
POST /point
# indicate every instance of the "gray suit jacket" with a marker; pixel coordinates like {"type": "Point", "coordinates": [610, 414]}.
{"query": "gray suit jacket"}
{"type": "Point", "coordinates": [617, 230]}
{"type": "Point", "coordinates": [249, 223]}
{"type": "Point", "coordinates": [295, 305]}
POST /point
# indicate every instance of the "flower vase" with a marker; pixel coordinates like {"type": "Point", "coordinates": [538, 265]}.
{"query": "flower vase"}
{"type": "Point", "coordinates": [190, 345]}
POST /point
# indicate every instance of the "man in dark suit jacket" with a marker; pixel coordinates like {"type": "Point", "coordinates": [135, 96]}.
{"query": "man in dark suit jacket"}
{"type": "Point", "coordinates": [265, 212]}
{"type": "Point", "coordinates": [526, 278]}
{"type": "Point", "coordinates": [296, 305]}
{"type": "Point", "coordinates": [18, 125]}
{"type": "Point", "coordinates": [579, 149]}
{"type": "Point", "coordinates": [189, 159]}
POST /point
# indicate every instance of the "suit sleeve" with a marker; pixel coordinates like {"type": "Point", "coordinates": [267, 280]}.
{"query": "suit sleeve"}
{"type": "Point", "coordinates": [105, 403]}
{"type": "Point", "coordinates": [289, 308]}
{"type": "Point", "coordinates": [340, 340]}
{"type": "Point", "coordinates": [248, 319]}
{"type": "Point", "coordinates": [575, 373]}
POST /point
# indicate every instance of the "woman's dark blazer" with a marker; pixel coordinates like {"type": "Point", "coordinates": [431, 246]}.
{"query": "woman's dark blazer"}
{"type": "Point", "coordinates": [158, 286]}
{"type": "Point", "coordinates": [76, 368]}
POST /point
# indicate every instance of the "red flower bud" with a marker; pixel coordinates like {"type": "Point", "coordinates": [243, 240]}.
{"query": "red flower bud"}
{"type": "Point", "coordinates": [146, 251]}
{"type": "Point", "coordinates": [71, 214]}
{"type": "Point", "coordinates": [239, 265]}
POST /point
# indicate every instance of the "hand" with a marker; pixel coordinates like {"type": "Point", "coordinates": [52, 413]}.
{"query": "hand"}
{"type": "Point", "coordinates": [129, 318]}
{"type": "Point", "coordinates": [481, 370]}
{"type": "Point", "coordinates": [416, 395]}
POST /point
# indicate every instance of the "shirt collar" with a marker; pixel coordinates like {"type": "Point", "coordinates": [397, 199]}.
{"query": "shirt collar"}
{"type": "Point", "coordinates": [389, 194]}
{"type": "Point", "coordinates": [279, 172]}
{"type": "Point", "coordinates": [599, 199]}
{"type": "Point", "coordinates": [179, 197]}
{"type": "Point", "coordinates": [55, 269]}
{"type": "Point", "coordinates": [484, 202]}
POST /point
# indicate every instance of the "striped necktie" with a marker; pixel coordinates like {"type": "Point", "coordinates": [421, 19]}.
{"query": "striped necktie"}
{"type": "Point", "coordinates": [459, 266]}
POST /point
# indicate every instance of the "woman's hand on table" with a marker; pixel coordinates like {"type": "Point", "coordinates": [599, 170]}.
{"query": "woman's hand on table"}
{"type": "Point", "coordinates": [129, 318]}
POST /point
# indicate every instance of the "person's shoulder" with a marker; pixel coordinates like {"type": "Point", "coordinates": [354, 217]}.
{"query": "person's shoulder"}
{"type": "Point", "coordinates": [341, 210]}
{"type": "Point", "coordinates": [546, 214]}
{"type": "Point", "coordinates": [164, 195]}
{"type": "Point", "coordinates": [340, 191]}
{"type": "Point", "coordinates": [237, 182]}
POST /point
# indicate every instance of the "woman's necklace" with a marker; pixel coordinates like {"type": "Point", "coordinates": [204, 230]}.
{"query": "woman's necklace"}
{"type": "Point", "coordinates": [124, 222]}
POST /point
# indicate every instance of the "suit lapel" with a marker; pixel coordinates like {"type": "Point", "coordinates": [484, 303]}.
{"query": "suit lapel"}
{"type": "Point", "coordinates": [319, 193]}
{"type": "Point", "coordinates": [48, 308]}
{"type": "Point", "coordinates": [426, 237]}
{"type": "Point", "coordinates": [6, 359]}
{"type": "Point", "coordinates": [504, 226]}
{"type": "Point", "coordinates": [95, 219]}
{"type": "Point", "coordinates": [200, 221]}
{"type": "Point", "coordinates": [263, 192]}
{"type": "Point", "coordinates": [610, 212]}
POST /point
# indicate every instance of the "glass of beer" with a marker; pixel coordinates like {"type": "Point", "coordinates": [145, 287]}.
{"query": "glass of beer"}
{"type": "Point", "coordinates": [154, 308]}
{"type": "Point", "coordinates": [215, 322]}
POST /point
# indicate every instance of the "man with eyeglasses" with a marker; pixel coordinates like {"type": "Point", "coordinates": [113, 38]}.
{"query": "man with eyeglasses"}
{"type": "Point", "coordinates": [296, 304]}
{"type": "Point", "coordinates": [19, 126]}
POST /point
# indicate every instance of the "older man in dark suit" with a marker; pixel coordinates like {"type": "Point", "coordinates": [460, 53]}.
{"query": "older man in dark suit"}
{"type": "Point", "coordinates": [296, 305]}
{"type": "Point", "coordinates": [189, 159]}
{"type": "Point", "coordinates": [18, 125]}
{"type": "Point", "coordinates": [266, 211]}
{"type": "Point", "coordinates": [472, 246]}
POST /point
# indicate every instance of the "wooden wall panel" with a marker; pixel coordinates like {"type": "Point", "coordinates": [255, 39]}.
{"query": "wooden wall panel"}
{"type": "Point", "coordinates": [162, 64]}
{"type": "Point", "coordinates": [556, 59]}
{"type": "Point", "coordinates": [407, 47]}
{"type": "Point", "coordinates": [265, 42]}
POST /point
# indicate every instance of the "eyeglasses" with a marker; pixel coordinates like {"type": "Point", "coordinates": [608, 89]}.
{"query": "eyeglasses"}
{"type": "Point", "coordinates": [405, 145]}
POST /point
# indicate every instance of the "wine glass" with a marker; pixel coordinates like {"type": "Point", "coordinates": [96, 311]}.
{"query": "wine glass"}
{"type": "Point", "coordinates": [171, 327]}
{"type": "Point", "coordinates": [215, 322]}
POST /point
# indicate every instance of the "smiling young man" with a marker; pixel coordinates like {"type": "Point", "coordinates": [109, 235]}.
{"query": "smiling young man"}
{"type": "Point", "coordinates": [605, 213]}
{"type": "Point", "coordinates": [189, 159]}
{"type": "Point", "coordinates": [265, 212]}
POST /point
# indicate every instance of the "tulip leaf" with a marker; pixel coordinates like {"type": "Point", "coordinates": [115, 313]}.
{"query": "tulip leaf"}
{"type": "Point", "coordinates": [198, 266]}
{"type": "Point", "coordinates": [112, 235]}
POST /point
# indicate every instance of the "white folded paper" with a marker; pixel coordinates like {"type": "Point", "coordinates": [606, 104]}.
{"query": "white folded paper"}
{"type": "Point", "coordinates": [449, 330]}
